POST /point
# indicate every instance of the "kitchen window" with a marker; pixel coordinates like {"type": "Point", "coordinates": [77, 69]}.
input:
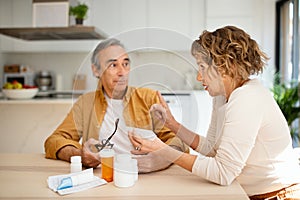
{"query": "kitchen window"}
{"type": "Point", "coordinates": [287, 40]}
{"type": "Point", "coordinates": [287, 49]}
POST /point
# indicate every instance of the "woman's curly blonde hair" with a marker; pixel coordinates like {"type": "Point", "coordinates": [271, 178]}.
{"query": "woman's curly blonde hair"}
{"type": "Point", "coordinates": [232, 51]}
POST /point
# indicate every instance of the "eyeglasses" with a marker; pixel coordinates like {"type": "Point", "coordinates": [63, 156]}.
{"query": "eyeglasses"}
{"type": "Point", "coordinates": [105, 142]}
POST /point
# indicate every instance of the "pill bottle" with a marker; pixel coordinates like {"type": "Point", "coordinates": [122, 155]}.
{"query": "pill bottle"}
{"type": "Point", "coordinates": [76, 165]}
{"type": "Point", "coordinates": [125, 171]}
{"type": "Point", "coordinates": [135, 169]}
{"type": "Point", "coordinates": [107, 164]}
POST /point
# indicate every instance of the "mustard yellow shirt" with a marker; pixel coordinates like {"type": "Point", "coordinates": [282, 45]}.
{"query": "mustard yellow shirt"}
{"type": "Point", "coordinates": [86, 116]}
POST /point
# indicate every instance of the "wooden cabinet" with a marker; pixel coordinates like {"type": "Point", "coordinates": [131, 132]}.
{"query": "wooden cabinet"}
{"type": "Point", "coordinates": [70, 39]}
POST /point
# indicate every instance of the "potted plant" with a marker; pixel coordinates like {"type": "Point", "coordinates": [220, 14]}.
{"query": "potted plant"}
{"type": "Point", "coordinates": [287, 97]}
{"type": "Point", "coordinates": [79, 12]}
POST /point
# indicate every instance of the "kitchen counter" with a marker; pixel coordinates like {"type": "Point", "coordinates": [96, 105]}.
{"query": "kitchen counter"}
{"type": "Point", "coordinates": [50, 97]}
{"type": "Point", "coordinates": [25, 124]}
{"type": "Point", "coordinates": [24, 176]}
{"type": "Point", "coordinates": [36, 101]}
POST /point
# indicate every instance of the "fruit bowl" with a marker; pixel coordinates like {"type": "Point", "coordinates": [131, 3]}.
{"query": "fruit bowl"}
{"type": "Point", "coordinates": [27, 93]}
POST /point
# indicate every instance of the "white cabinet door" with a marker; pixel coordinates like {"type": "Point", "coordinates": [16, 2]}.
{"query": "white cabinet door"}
{"type": "Point", "coordinates": [168, 24]}
{"type": "Point", "coordinates": [106, 15]}
{"type": "Point", "coordinates": [18, 13]}
{"type": "Point", "coordinates": [22, 13]}
{"type": "Point", "coordinates": [172, 20]}
{"type": "Point", "coordinates": [244, 14]}
{"type": "Point", "coordinates": [15, 13]}
{"type": "Point", "coordinates": [170, 14]}
{"type": "Point", "coordinates": [167, 21]}
{"type": "Point", "coordinates": [115, 17]}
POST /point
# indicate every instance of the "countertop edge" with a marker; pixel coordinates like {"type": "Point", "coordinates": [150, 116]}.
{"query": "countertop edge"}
{"type": "Point", "coordinates": [36, 101]}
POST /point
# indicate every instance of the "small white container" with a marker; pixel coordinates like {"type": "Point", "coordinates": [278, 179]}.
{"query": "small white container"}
{"type": "Point", "coordinates": [76, 165]}
{"type": "Point", "coordinates": [125, 171]}
{"type": "Point", "coordinates": [135, 169]}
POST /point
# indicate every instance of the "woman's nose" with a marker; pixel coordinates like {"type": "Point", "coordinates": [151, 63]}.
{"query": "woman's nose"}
{"type": "Point", "coordinates": [199, 77]}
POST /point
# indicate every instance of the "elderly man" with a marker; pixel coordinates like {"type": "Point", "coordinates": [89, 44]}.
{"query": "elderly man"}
{"type": "Point", "coordinates": [93, 116]}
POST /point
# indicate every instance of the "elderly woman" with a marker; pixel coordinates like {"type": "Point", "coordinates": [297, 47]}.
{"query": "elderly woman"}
{"type": "Point", "coordinates": [248, 138]}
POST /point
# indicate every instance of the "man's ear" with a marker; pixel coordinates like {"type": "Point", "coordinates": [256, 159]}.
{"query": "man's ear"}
{"type": "Point", "coordinates": [96, 71]}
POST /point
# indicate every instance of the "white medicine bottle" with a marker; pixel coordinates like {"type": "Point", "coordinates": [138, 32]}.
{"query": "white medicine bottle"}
{"type": "Point", "coordinates": [76, 165]}
{"type": "Point", "coordinates": [125, 171]}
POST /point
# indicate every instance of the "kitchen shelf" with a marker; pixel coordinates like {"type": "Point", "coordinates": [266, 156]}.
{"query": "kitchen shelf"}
{"type": "Point", "coordinates": [55, 33]}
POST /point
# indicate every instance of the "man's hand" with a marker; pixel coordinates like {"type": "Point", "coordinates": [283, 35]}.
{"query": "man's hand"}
{"type": "Point", "coordinates": [89, 157]}
{"type": "Point", "coordinates": [67, 152]}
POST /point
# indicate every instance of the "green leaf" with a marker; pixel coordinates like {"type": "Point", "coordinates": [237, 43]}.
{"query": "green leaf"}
{"type": "Point", "coordinates": [287, 98]}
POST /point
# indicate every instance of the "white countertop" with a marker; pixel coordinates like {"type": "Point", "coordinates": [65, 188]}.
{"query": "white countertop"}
{"type": "Point", "coordinates": [23, 176]}
{"type": "Point", "coordinates": [37, 101]}
{"type": "Point", "coordinates": [46, 100]}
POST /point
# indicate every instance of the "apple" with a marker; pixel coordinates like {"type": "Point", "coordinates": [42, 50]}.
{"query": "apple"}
{"type": "Point", "coordinates": [17, 85]}
{"type": "Point", "coordinates": [8, 85]}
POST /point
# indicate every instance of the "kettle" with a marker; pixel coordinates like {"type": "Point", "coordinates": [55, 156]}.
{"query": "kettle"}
{"type": "Point", "coordinates": [44, 80]}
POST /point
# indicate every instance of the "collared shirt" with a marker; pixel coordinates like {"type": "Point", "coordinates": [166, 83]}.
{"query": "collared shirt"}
{"type": "Point", "coordinates": [87, 115]}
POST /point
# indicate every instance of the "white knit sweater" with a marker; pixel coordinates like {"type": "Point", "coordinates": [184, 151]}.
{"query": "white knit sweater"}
{"type": "Point", "coordinates": [248, 140]}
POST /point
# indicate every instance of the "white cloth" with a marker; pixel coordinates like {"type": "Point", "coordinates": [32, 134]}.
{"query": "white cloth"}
{"type": "Point", "coordinates": [122, 144]}
{"type": "Point", "coordinates": [248, 140]}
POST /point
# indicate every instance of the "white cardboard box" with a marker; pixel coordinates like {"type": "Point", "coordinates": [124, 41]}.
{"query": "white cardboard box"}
{"type": "Point", "coordinates": [50, 14]}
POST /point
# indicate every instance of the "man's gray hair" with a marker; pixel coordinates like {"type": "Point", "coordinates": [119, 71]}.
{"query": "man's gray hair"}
{"type": "Point", "coordinates": [103, 45]}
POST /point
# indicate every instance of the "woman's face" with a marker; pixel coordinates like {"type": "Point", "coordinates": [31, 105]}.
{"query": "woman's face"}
{"type": "Point", "coordinates": [211, 79]}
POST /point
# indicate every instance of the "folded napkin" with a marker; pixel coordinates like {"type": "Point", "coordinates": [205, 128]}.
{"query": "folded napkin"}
{"type": "Point", "coordinates": [91, 181]}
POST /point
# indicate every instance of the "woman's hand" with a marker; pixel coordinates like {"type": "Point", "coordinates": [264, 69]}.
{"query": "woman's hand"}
{"type": "Point", "coordinates": [162, 116]}
{"type": "Point", "coordinates": [144, 146]}
{"type": "Point", "coordinates": [153, 155]}
{"type": "Point", "coordinates": [148, 153]}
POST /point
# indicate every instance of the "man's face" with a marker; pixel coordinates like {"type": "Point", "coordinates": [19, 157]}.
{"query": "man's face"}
{"type": "Point", "coordinates": [114, 70]}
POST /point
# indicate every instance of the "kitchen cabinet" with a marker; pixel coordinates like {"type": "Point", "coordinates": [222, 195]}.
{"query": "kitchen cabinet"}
{"type": "Point", "coordinates": [26, 124]}
{"type": "Point", "coordinates": [146, 23]}
{"type": "Point", "coordinates": [15, 14]}
{"type": "Point", "coordinates": [143, 23]}
{"type": "Point", "coordinates": [248, 16]}
{"type": "Point", "coordinates": [151, 24]}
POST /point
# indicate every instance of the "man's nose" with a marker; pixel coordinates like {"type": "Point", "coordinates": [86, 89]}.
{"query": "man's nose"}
{"type": "Point", "coordinates": [121, 70]}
